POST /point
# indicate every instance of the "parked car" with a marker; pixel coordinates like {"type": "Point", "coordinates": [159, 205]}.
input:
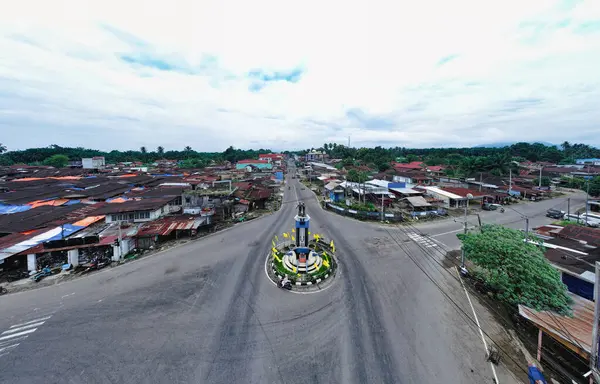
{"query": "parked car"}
{"type": "Point", "coordinates": [492, 207]}
{"type": "Point", "coordinates": [555, 214]}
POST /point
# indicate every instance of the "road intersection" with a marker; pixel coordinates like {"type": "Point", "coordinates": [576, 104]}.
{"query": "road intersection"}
{"type": "Point", "coordinates": [205, 312]}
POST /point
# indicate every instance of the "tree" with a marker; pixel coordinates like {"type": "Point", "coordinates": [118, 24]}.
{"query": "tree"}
{"type": "Point", "coordinates": [57, 161]}
{"type": "Point", "coordinates": [546, 181]}
{"type": "Point", "coordinates": [187, 149]}
{"type": "Point", "coordinates": [2, 148]}
{"type": "Point", "coordinates": [143, 150]}
{"type": "Point", "coordinates": [515, 270]}
{"type": "Point", "coordinates": [160, 150]}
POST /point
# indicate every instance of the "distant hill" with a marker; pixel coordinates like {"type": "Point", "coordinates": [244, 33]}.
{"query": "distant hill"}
{"type": "Point", "coordinates": [509, 143]}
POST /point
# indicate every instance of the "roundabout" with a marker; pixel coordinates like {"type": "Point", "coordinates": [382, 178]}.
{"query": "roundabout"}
{"type": "Point", "coordinates": [300, 263]}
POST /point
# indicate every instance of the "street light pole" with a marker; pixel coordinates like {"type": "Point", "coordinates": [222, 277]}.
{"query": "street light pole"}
{"type": "Point", "coordinates": [463, 270]}
{"type": "Point", "coordinates": [540, 181]}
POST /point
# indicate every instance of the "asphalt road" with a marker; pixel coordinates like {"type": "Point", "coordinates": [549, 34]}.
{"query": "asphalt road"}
{"type": "Point", "coordinates": [205, 312]}
{"type": "Point", "coordinates": [514, 217]}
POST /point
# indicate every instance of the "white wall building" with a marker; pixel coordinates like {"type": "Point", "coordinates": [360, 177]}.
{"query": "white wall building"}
{"type": "Point", "coordinates": [97, 162]}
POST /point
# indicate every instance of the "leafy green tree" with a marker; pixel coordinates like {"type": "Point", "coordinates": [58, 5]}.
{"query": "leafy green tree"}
{"type": "Point", "coordinates": [546, 181]}
{"type": "Point", "coordinates": [187, 149]}
{"type": "Point", "coordinates": [516, 271]}
{"type": "Point", "coordinates": [2, 148]}
{"type": "Point", "coordinates": [160, 150]}
{"type": "Point", "coordinates": [57, 161]}
{"type": "Point", "coordinates": [143, 150]}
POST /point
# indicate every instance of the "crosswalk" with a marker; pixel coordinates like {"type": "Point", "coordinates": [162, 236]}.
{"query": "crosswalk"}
{"type": "Point", "coordinates": [15, 334]}
{"type": "Point", "coordinates": [423, 240]}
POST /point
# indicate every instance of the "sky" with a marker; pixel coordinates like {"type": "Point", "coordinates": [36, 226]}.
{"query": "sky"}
{"type": "Point", "coordinates": [288, 75]}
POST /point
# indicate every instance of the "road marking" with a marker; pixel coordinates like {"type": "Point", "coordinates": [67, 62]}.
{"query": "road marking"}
{"type": "Point", "coordinates": [447, 233]}
{"type": "Point", "coordinates": [5, 343]}
{"type": "Point", "coordinates": [31, 322]}
{"type": "Point", "coordinates": [12, 330]}
{"type": "Point", "coordinates": [10, 346]}
{"type": "Point", "coordinates": [17, 334]}
{"type": "Point", "coordinates": [478, 325]}
{"type": "Point", "coordinates": [422, 239]}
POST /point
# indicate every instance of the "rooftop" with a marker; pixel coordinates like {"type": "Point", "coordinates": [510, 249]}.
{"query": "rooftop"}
{"type": "Point", "coordinates": [135, 205]}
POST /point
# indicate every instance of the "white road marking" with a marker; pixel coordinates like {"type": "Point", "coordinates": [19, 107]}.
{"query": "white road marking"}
{"type": "Point", "coordinates": [447, 233]}
{"type": "Point", "coordinates": [31, 322]}
{"type": "Point", "coordinates": [5, 343]}
{"type": "Point", "coordinates": [12, 330]}
{"type": "Point", "coordinates": [478, 325]}
{"type": "Point", "coordinates": [10, 346]}
{"type": "Point", "coordinates": [17, 334]}
{"type": "Point", "coordinates": [423, 240]}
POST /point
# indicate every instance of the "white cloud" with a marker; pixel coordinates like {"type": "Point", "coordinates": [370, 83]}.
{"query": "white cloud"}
{"type": "Point", "coordinates": [513, 71]}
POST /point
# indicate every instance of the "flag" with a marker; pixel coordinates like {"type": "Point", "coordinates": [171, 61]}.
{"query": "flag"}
{"type": "Point", "coordinates": [332, 246]}
{"type": "Point", "coordinates": [293, 238]}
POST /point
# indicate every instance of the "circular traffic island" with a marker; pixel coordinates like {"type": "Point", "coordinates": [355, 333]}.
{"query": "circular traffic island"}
{"type": "Point", "coordinates": [308, 268]}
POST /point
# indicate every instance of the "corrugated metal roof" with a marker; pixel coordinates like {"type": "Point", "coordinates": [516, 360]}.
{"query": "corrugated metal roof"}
{"type": "Point", "coordinates": [418, 201]}
{"type": "Point", "coordinates": [166, 225]}
{"type": "Point", "coordinates": [572, 331]}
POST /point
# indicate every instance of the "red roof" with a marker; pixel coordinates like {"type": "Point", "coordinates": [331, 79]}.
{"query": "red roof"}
{"type": "Point", "coordinates": [259, 194]}
{"type": "Point", "coordinates": [166, 225]}
{"type": "Point", "coordinates": [411, 165]}
{"type": "Point", "coordinates": [271, 155]}
{"type": "Point", "coordinates": [250, 161]}
{"type": "Point", "coordinates": [463, 191]}
{"type": "Point", "coordinates": [435, 168]}
{"type": "Point", "coordinates": [243, 185]}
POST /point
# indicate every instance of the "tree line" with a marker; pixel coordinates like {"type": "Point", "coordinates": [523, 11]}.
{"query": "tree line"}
{"type": "Point", "coordinates": [458, 161]}
{"type": "Point", "coordinates": [57, 156]}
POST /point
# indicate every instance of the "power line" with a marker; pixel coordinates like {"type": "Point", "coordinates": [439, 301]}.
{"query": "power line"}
{"type": "Point", "coordinates": [569, 336]}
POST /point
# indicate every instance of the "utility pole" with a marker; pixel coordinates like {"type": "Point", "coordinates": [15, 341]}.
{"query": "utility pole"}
{"type": "Point", "coordinates": [480, 180]}
{"type": "Point", "coordinates": [382, 215]}
{"type": "Point", "coordinates": [120, 240]}
{"type": "Point", "coordinates": [509, 180]}
{"type": "Point", "coordinates": [540, 180]}
{"type": "Point", "coordinates": [526, 226]}
{"type": "Point", "coordinates": [569, 206]}
{"type": "Point", "coordinates": [594, 350]}
{"type": "Point", "coordinates": [587, 196]}
{"type": "Point", "coordinates": [462, 256]}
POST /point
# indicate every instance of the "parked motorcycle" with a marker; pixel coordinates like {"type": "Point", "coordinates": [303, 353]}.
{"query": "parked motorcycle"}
{"type": "Point", "coordinates": [3, 291]}
{"type": "Point", "coordinates": [40, 275]}
{"type": "Point", "coordinates": [285, 284]}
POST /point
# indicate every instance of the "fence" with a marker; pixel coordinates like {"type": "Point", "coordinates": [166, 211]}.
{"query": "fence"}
{"type": "Point", "coordinates": [362, 215]}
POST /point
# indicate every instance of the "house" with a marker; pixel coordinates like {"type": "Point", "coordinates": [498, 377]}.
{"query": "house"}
{"type": "Point", "coordinates": [315, 156]}
{"type": "Point", "coordinates": [252, 165]}
{"type": "Point", "coordinates": [96, 162]}
{"type": "Point", "coordinates": [418, 206]}
{"type": "Point", "coordinates": [412, 177]}
{"type": "Point", "coordinates": [138, 211]}
{"type": "Point", "coordinates": [453, 197]}
{"type": "Point", "coordinates": [414, 165]}
{"type": "Point", "coordinates": [592, 161]}
{"type": "Point", "coordinates": [336, 193]}
{"type": "Point", "coordinates": [273, 158]}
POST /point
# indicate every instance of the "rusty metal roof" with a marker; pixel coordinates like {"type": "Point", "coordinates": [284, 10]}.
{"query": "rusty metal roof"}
{"type": "Point", "coordinates": [166, 225]}
{"type": "Point", "coordinates": [574, 332]}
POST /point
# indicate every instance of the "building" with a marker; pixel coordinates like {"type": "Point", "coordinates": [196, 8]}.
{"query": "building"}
{"type": "Point", "coordinates": [593, 161]}
{"type": "Point", "coordinates": [273, 158]}
{"type": "Point", "coordinates": [251, 165]}
{"type": "Point", "coordinates": [315, 156]}
{"type": "Point", "coordinates": [453, 197]}
{"type": "Point", "coordinates": [138, 211]}
{"type": "Point", "coordinates": [97, 162]}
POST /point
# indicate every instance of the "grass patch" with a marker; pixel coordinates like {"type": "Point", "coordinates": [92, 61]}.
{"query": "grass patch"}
{"type": "Point", "coordinates": [564, 223]}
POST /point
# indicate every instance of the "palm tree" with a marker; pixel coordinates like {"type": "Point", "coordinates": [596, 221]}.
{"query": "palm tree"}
{"type": "Point", "coordinates": [160, 150]}
{"type": "Point", "coordinates": [187, 149]}
{"type": "Point", "coordinates": [143, 150]}
{"type": "Point", "coordinates": [2, 148]}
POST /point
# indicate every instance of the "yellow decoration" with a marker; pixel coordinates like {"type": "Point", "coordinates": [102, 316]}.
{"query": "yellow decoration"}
{"type": "Point", "coordinates": [326, 263]}
{"type": "Point", "coordinates": [273, 242]}
{"type": "Point", "coordinates": [316, 266]}
{"type": "Point", "coordinates": [285, 235]}
{"type": "Point", "coordinates": [276, 258]}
